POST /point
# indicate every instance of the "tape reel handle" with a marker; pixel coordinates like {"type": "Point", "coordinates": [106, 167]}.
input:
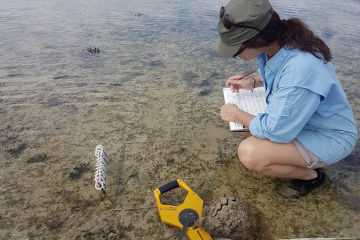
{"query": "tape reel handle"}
{"type": "Point", "coordinates": [169, 186]}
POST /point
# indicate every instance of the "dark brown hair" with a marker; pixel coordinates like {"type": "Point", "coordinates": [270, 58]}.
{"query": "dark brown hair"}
{"type": "Point", "coordinates": [291, 33]}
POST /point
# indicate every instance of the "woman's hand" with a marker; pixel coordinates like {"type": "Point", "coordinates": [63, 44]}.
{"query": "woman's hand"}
{"type": "Point", "coordinates": [228, 112]}
{"type": "Point", "coordinates": [240, 82]}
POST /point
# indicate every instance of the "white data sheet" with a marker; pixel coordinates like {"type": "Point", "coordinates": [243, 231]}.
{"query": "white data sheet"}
{"type": "Point", "coordinates": [252, 102]}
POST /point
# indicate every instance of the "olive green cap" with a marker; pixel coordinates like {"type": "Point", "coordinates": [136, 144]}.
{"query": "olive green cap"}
{"type": "Point", "coordinates": [254, 13]}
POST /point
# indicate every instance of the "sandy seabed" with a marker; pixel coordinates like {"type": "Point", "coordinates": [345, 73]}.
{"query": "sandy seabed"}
{"type": "Point", "coordinates": [48, 137]}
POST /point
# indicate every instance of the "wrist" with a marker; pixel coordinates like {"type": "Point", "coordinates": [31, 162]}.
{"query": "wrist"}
{"type": "Point", "coordinates": [237, 115]}
{"type": "Point", "coordinates": [258, 82]}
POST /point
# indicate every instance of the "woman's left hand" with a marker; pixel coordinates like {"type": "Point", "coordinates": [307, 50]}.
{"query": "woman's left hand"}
{"type": "Point", "coordinates": [228, 112]}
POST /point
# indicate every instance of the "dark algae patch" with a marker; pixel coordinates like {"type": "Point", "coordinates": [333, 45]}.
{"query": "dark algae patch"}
{"type": "Point", "coordinates": [61, 77]}
{"type": "Point", "coordinates": [205, 92]}
{"type": "Point", "coordinates": [170, 161]}
{"type": "Point", "coordinates": [188, 76]}
{"type": "Point", "coordinates": [18, 150]}
{"type": "Point", "coordinates": [115, 84]}
{"type": "Point", "coordinates": [79, 170]}
{"type": "Point", "coordinates": [53, 102]}
{"type": "Point", "coordinates": [205, 83]}
{"type": "Point", "coordinates": [37, 158]}
{"type": "Point", "coordinates": [156, 63]}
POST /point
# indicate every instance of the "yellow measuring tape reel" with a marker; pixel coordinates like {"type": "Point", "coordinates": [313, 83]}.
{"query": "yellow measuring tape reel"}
{"type": "Point", "coordinates": [184, 215]}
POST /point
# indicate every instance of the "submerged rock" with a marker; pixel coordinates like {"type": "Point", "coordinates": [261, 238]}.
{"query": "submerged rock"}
{"type": "Point", "coordinates": [93, 50]}
{"type": "Point", "coordinates": [230, 218]}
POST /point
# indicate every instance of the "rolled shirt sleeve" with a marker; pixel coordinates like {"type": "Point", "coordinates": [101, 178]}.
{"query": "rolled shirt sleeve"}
{"type": "Point", "coordinates": [286, 114]}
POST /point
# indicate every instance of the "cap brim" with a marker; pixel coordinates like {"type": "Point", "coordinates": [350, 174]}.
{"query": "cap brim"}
{"type": "Point", "coordinates": [227, 51]}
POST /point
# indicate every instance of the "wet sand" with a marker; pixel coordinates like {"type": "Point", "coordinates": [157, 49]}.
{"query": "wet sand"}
{"type": "Point", "coordinates": [48, 163]}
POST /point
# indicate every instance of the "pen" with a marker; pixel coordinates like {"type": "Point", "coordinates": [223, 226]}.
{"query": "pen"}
{"type": "Point", "coordinates": [247, 74]}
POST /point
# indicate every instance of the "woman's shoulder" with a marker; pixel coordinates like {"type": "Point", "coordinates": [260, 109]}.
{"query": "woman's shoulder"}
{"type": "Point", "coordinates": [305, 60]}
{"type": "Point", "coordinates": [308, 71]}
{"type": "Point", "coordinates": [304, 64]}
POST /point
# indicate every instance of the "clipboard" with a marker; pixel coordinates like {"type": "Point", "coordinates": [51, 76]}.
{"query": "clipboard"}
{"type": "Point", "coordinates": [251, 101]}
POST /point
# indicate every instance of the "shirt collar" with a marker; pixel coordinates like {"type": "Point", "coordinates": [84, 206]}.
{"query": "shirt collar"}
{"type": "Point", "coordinates": [275, 63]}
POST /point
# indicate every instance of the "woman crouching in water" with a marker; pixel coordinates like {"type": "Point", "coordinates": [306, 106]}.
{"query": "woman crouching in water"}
{"type": "Point", "coordinates": [308, 122]}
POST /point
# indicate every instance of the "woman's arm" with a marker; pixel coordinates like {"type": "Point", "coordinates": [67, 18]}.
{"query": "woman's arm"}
{"type": "Point", "coordinates": [288, 111]}
{"type": "Point", "coordinates": [230, 112]}
{"type": "Point", "coordinates": [239, 82]}
{"type": "Point", "coordinates": [258, 82]}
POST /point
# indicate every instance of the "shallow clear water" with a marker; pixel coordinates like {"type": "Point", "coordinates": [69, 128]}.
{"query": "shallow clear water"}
{"type": "Point", "coordinates": [151, 97]}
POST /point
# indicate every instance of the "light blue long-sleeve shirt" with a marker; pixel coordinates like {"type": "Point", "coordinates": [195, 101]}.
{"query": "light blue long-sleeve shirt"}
{"type": "Point", "coordinates": [305, 101]}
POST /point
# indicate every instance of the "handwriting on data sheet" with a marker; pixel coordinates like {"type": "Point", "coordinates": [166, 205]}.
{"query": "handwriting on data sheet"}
{"type": "Point", "coordinates": [251, 101]}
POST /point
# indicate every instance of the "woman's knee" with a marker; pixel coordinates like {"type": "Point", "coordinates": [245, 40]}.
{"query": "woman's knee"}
{"type": "Point", "coordinates": [249, 155]}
